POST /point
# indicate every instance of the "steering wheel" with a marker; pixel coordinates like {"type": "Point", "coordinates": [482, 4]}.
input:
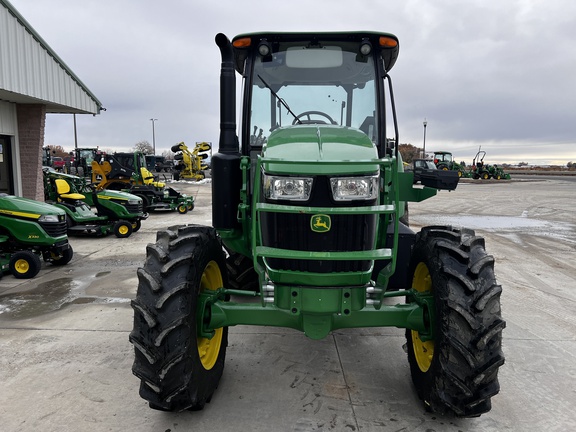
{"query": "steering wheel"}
{"type": "Point", "coordinates": [310, 121]}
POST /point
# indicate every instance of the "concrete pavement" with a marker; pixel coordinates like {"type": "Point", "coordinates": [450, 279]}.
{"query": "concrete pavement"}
{"type": "Point", "coordinates": [65, 362]}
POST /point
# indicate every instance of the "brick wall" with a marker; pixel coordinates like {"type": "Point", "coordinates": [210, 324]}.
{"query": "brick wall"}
{"type": "Point", "coordinates": [31, 124]}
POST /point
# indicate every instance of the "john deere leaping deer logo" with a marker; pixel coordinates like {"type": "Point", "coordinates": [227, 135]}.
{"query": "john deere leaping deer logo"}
{"type": "Point", "coordinates": [320, 223]}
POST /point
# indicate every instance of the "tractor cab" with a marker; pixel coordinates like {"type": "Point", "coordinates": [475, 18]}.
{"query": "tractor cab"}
{"type": "Point", "coordinates": [323, 83]}
{"type": "Point", "coordinates": [443, 158]}
{"type": "Point", "coordinates": [313, 133]}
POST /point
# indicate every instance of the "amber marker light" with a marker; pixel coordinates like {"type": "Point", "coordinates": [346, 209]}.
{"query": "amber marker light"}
{"type": "Point", "coordinates": [388, 42]}
{"type": "Point", "coordinates": [242, 42]}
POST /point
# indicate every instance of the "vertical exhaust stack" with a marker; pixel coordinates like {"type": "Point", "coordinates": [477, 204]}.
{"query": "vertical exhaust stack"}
{"type": "Point", "coordinates": [226, 174]}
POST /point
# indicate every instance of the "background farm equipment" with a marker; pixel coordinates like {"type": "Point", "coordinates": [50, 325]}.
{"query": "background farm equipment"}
{"type": "Point", "coordinates": [81, 165]}
{"type": "Point", "coordinates": [191, 164]}
{"type": "Point", "coordinates": [31, 230]}
{"type": "Point", "coordinates": [128, 172]}
{"type": "Point", "coordinates": [484, 171]}
{"type": "Point", "coordinates": [445, 161]}
{"type": "Point", "coordinates": [498, 173]}
{"type": "Point", "coordinates": [162, 164]}
{"type": "Point", "coordinates": [116, 211]}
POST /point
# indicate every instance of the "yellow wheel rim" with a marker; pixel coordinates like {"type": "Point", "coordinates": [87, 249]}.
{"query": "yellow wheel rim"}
{"type": "Point", "coordinates": [22, 266]}
{"type": "Point", "coordinates": [208, 349]}
{"type": "Point", "coordinates": [423, 351]}
{"type": "Point", "coordinates": [123, 230]}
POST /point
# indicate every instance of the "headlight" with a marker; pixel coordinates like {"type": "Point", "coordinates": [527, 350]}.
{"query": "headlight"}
{"type": "Point", "coordinates": [48, 218]}
{"type": "Point", "coordinates": [287, 188]}
{"type": "Point", "coordinates": [134, 201]}
{"type": "Point", "coordinates": [354, 188]}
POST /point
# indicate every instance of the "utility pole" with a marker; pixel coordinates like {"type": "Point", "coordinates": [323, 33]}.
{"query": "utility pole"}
{"type": "Point", "coordinates": [425, 123]}
{"type": "Point", "coordinates": [75, 133]}
{"type": "Point", "coordinates": [153, 136]}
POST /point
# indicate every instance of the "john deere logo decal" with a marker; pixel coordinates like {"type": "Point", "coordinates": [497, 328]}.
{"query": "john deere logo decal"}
{"type": "Point", "coordinates": [320, 223]}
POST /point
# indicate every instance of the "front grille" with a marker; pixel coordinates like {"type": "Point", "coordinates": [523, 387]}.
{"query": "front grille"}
{"type": "Point", "coordinates": [134, 208]}
{"type": "Point", "coordinates": [292, 231]}
{"type": "Point", "coordinates": [54, 229]}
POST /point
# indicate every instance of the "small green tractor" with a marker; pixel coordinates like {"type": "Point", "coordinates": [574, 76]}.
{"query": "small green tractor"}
{"type": "Point", "coordinates": [498, 173]}
{"type": "Point", "coordinates": [484, 171]}
{"type": "Point", "coordinates": [116, 211]}
{"type": "Point", "coordinates": [308, 213]}
{"type": "Point", "coordinates": [30, 231]}
{"type": "Point", "coordinates": [128, 172]}
{"type": "Point", "coordinates": [81, 166]}
{"type": "Point", "coordinates": [444, 161]}
{"type": "Point", "coordinates": [191, 162]}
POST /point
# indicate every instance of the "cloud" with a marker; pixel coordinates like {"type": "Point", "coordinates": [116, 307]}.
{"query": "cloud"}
{"type": "Point", "coordinates": [482, 72]}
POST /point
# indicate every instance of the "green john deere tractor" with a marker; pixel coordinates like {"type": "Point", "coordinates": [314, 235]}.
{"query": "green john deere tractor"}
{"type": "Point", "coordinates": [444, 161]}
{"type": "Point", "coordinates": [311, 208]}
{"type": "Point", "coordinates": [484, 171]}
{"type": "Point", "coordinates": [31, 230]}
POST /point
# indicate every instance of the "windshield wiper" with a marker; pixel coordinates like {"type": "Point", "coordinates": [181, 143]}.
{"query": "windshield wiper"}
{"type": "Point", "coordinates": [282, 101]}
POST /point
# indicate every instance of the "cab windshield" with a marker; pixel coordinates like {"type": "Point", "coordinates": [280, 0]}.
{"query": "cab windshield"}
{"type": "Point", "coordinates": [321, 83]}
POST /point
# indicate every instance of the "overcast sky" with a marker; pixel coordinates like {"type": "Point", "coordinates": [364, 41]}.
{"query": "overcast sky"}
{"type": "Point", "coordinates": [491, 73]}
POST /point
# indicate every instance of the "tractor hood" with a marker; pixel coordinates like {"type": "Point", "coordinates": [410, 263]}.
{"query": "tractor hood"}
{"type": "Point", "coordinates": [319, 149]}
{"type": "Point", "coordinates": [117, 195]}
{"type": "Point", "coordinates": [11, 205]}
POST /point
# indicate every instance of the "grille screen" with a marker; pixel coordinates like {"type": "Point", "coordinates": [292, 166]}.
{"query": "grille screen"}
{"type": "Point", "coordinates": [292, 231]}
{"type": "Point", "coordinates": [54, 229]}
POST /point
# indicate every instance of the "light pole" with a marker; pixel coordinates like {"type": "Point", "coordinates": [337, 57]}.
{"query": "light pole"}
{"type": "Point", "coordinates": [153, 136]}
{"type": "Point", "coordinates": [425, 123]}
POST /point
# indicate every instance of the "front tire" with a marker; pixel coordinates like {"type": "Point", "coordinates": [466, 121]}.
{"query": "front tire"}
{"type": "Point", "coordinates": [145, 201]}
{"type": "Point", "coordinates": [64, 258]}
{"type": "Point", "coordinates": [123, 229]}
{"type": "Point", "coordinates": [457, 371]}
{"type": "Point", "coordinates": [242, 275]}
{"type": "Point", "coordinates": [136, 225]}
{"type": "Point", "coordinates": [24, 264]}
{"type": "Point", "coordinates": [178, 370]}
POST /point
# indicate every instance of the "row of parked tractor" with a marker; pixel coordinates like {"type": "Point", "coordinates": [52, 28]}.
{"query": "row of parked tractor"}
{"type": "Point", "coordinates": [116, 198]}
{"type": "Point", "coordinates": [444, 160]}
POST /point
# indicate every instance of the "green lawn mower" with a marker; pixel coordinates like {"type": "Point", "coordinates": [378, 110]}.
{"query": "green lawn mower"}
{"type": "Point", "coordinates": [309, 210]}
{"type": "Point", "coordinates": [116, 211]}
{"type": "Point", "coordinates": [31, 231]}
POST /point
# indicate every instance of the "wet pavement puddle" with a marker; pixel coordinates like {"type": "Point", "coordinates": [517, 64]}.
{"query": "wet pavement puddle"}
{"type": "Point", "coordinates": [51, 296]}
{"type": "Point", "coordinates": [504, 224]}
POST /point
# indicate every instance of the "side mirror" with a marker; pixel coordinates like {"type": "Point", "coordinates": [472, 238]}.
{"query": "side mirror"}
{"type": "Point", "coordinates": [440, 179]}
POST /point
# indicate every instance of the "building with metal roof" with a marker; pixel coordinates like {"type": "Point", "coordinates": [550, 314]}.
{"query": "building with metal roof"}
{"type": "Point", "coordinates": [34, 81]}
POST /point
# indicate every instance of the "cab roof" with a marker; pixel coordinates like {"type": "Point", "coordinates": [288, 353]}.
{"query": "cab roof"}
{"type": "Point", "coordinates": [387, 43]}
